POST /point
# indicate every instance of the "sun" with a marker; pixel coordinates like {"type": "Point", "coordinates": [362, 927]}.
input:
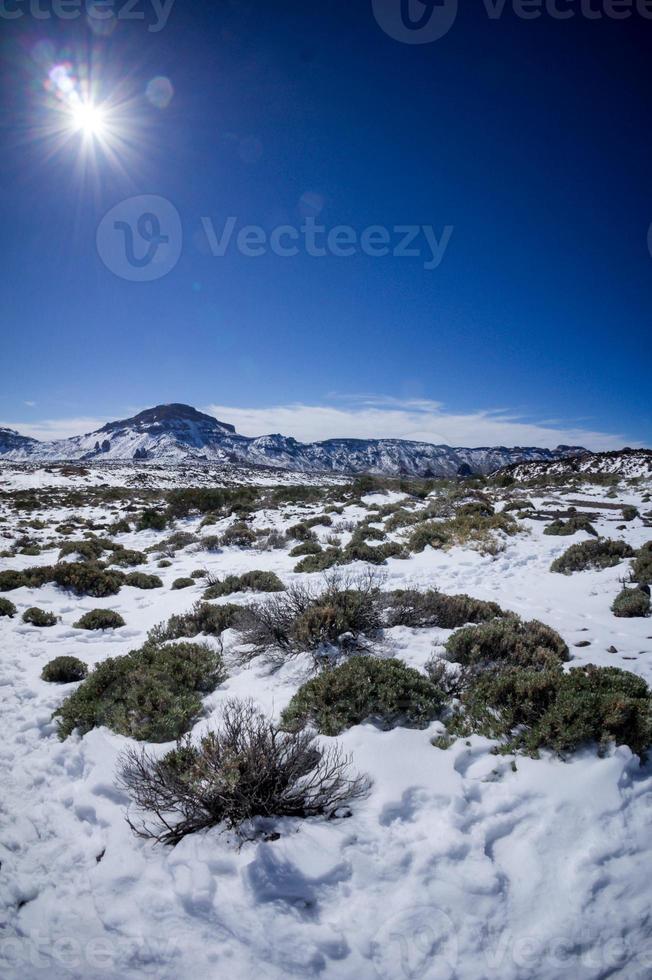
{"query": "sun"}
{"type": "Point", "coordinates": [88, 119]}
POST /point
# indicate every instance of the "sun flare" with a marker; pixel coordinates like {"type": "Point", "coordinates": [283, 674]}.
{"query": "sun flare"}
{"type": "Point", "coordinates": [88, 119]}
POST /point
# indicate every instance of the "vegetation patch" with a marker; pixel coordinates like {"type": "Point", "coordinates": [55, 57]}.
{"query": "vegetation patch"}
{"type": "Point", "coordinates": [38, 617]}
{"type": "Point", "coordinates": [642, 566]}
{"type": "Point", "coordinates": [253, 581]}
{"type": "Point", "coordinates": [245, 770]}
{"type": "Point", "coordinates": [141, 580]}
{"type": "Point", "coordinates": [591, 555]}
{"type": "Point", "coordinates": [7, 608]}
{"type": "Point", "coordinates": [64, 670]}
{"type": "Point", "coordinates": [202, 618]}
{"type": "Point", "coordinates": [571, 526]}
{"type": "Point", "coordinates": [631, 603]}
{"type": "Point", "coordinates": [182, 583]}
{"type": "Point", "coordinates": [409, 607]}
{"type": "Point", "coordinates": [99, 619]}
{"type": "Point", "coordinates": [386, 692]}
{"type": "Point", "coordinates": [87, 578]}
{"type": "Point", "coordinates": [153, 693]}
{"type": "Point", "coordinates": [507, 642]}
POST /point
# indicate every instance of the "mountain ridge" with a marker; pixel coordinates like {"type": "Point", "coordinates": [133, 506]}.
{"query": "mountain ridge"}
{"type": "Point", "coordinates": [176, 432]}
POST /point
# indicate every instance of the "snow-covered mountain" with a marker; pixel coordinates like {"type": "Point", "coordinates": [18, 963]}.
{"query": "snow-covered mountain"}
{"type": "Point", "coordinates": [175, 433]}
{"type": "Point", "coordinates": [622, 462]}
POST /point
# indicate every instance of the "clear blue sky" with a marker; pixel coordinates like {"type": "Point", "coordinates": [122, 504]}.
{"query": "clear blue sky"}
{"type": "Point", "coordinates": [532, 139]}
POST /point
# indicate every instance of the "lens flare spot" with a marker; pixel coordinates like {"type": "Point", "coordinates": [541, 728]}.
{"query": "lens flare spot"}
{"type": "Point", "coordinates": [160, 92]}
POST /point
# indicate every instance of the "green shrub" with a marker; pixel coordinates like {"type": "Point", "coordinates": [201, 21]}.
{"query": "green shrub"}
{"type": "Point", "coordinates": [126, 558]}
{"type": "Point", "coordinates": [87, 578]}
{"type": "Point", "coordinates": [571, 526]}
{"type": "Point", "coordinates": [164, 563]}
{"type": "Point", "coordinates": [238, 536]}
{"type": "Point", "coordinates": [141, 580]}
{"type": "Point", "coordinates": [593, 555]}
{"type": "Point", "coordinates": [562, 712]}
{"type": "Point", "coordinates": [321, 561]}
{"type": "Point", "coordinates": [254, 581]}
{"type": "Point", "coordinates": [246, 770]}
{"type": "Point", "coordinates": [225, 501]}
{"type": "Point", "coordinates": [306, 548]}
{"type": "Point", "coordinates": [630, 603]}
{"type": "Point", "coordinates": [419, 609]}
{"type": "Point", "coordinates": [199, 573]}
{"type": "Point", "coordinates": [518, 504]}
{"type": "Point", "coordinates": [38, 617]}
{"type": "Point", "coordinates": [119, 527]}
{"type": "Point", "coordinates": [88, 550]}
{"type": "Point", "coordinates": [182, 583]}
{"type": "Point", "coordinates": [153, 693]}
{"type": "Point", "coordinates": [642, 565]}
{"type": "Point", "coordinates": [152, 520]}
{"type": "Point", "coordinates": [508, 641]}
{"type": "Point", "coordinates": [629, 512]}
{"type": "Point", "coordinates": [373, 554]}
{"type": "Point", "coordinates": [99, 619]}
{"type": "Point", "coordinates": [7, 608]}
{"type": "Point", "coordinates": [386, 692]}
{"type": "Point", "coordinates": [10, 580]}
{"type": "Point", "coordinates": [64, 670]}
{"type": "Point", "coordinates": [203, 618]}
{"type": "Point", "coordinates": [428, 534]}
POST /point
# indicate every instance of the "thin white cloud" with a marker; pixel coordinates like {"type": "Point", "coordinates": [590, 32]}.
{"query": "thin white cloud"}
{"type": "Point", "coordinates": [420, 419]}
{"type": "Point", "coordinates": [30, 404]}
{"type": "Point", "coordinates": [50, 429]}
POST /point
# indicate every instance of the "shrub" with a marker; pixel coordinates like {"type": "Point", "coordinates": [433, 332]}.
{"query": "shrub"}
{"type": "Point", "coordinates": [469, 526]}
{"type": "Point", "coordinates": [211, 542]}
{"type": "Point", "coordinates": [199, 573]}
{"type": "Point", "coordinates": [236, 500]}
{"type": "Point", "coordinates": [630, 603]}
{"type": "Point", "coordinates": [64, 670]}
{"type": "Point", "coordinates": [562, 712]}
{"type": "Point", "coordinates": [385, 691]}
{"type": "Point", "coordinates": [419, 609]}
{"type": "Point", "coordinates": [518, 504]}
{"type": "Point", "coordinates": [38, 617]}
{"type": "Point", "coordinates": [428, 534]}
{"type": "Point", "coordinates": [7, 608]}
{"type": "Point", "coordinates": [571, 526]}
{"type": "Point", "coordinates": [374, 555]}
{"type": "Point", "coordinates": [203, 618]}
{"type": "Point", "coordinates": [99, 619]}
{"type": "Point", "coordinates": [246, 769]}
{"type": "Point", "coordinates": [10, 580]}
{"type": "Point", "coordinates": [119, 527]}
{"type": "Point", "coordinates": [88, 550]}
{"type": "Point", "coordinates": [238, 536]}
{"type": "Point", "coordinates": [591, 555]}
{"type": "Point", "coordinates": [152, 693]}
{"type": "Point", "coordinates": [140, 580]}
{"type": "Point", "coordinates": [87, 578]}
{"type": "Point", "coordinates": [306, 548]}
{"type": "Point", "coordinates": [182, 583]}
{"type": "Point", "coordinates": [629, 512]}
{"type": "Point", "coordinates": [642, 566]}
{"type": "Point", "coordinates": [254, 581]}
{"type": "Point", "coordinates": [321, 561]}
{"type": "Point", "coordinates": [126, 558]}
{"type": "Point", "coordinates": [152, 520]}
{"type": "Point", "coordinates": [300, 619]}
{"type": "Point", "coordinates": [509, 641]}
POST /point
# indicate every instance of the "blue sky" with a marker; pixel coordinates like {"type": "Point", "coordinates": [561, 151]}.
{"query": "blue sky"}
{"type": "Point", "coordinates": [529, 141]}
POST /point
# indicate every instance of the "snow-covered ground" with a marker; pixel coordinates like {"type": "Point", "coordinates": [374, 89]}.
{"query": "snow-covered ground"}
{"type": "Point", "coordinates": [459, 864]}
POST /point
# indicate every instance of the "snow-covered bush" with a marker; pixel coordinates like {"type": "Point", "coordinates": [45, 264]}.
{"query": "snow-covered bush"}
{"type": "Point", "coordinates": [99, 619]}
{"type": "Point", "coordinates": [87, 578]}
{"type": "Point", "coordinates": [153, 693]}
{"type": "Point", "coordinates": [342, 615]}
{"type": "Point", "coordinates": [253, 581]}
{"type": "Point", "coordinates": [472, 525]}
{"type": "Point", "coordinates": [89, 549]}
{"type": "Point", "coordinates": [571, 526]}
{"type": "Point", "coordinates": [127, 558]}
{"type": "Point", "coordinates": [38, 617]}
{"type": "Point", "coordinates": [591, 555]}
{"type": "Point", "coordinates": [202, 618]}
{"type": "Point", "coordinates": [7, 608]}
{"type": "Point", "coordinates": [507, 642]}
{"type": "Point", "coordinates": [630, 603]}
{"type": "Point", "coordinates": [141, 580]}
{"type": "Point", "coordinates": [64, 670]}
{"type": "Point", "coordinates": [410, 607]}
{"type": "Point", "coordinates": [534, 709]}
{"type": "Point", "coordinates": [152, 520]}
{"type": "Point", "coordinates": [239, 535]}
{"type": "Point", "coordinates": [182, 583]}
{"type": "Point", "coordinates": [642, 566]}
{"type": "Point", "coordinates": [386, 692]}
{"type": "Point", "coordinates": [244, 771]}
